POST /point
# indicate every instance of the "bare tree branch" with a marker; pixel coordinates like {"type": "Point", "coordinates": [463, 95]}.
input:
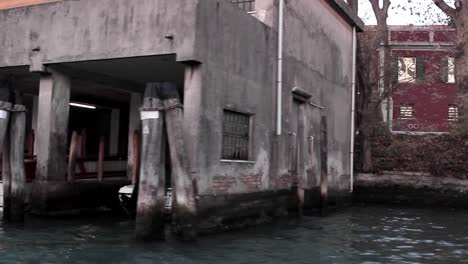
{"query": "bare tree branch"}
{"type": "Point", "coordinates": [448, 10]}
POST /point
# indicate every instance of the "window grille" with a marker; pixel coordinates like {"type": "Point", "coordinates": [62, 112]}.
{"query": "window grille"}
{"type": "Point", "coordinates": [407, 111]}
{"type": "Point", "coordinates": [236, 136]}
{"type": "Point", "coordinates": [246, 5]}
{"type": "Point", "coordinates": [453, 113]}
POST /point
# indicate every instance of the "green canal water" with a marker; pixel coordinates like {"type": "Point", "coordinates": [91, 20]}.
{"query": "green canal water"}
{"type": "Point", "coordinates": [358, 235]}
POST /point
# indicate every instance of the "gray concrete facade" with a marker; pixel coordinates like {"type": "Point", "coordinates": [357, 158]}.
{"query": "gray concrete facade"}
{"type": "Point", "coordinates": [229, 58]}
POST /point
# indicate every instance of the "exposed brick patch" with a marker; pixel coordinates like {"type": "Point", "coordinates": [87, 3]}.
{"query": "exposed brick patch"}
{"type": "Point", "coordinates": [285, 181]}
{"type": "Point", "coordinates": [223, 184]}
{"type": "Point", "coordinates": [253, 182]}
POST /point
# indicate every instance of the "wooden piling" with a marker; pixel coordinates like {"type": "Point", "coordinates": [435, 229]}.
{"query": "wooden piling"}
{"type": "Point", "coordinates": [100, 165]}
{"type": "Point", "coordinates": [31, 139]}
{"type": "Point", "coordinates": [72, 157]}
{"type": "Point", "coordinates": [149, 224]}
{"type": "Point", "coordinates": [6, 176]}
{"type": "Point", "coordinates": [136, 156]}
{"type": "Point", "coordinates": [18, 177]}
{"type": "Point", "coordinates": [184, 206]}
{"type": "Point", "coordinates": [324, 167]}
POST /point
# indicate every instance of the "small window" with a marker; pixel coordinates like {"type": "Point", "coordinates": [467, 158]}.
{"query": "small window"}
{"type": "Point", "coordinates": [447, 70]}
{"type": "Point", "coordinates": [453, 113]}
{"type": "Point", "coordinates": [407, 111]}
{"type": "Point", "coordinates": [246, 5]}
{"type": "Point", "coordinates": [236, 135]}
{"type": "Point", "coordinates": [406, 69]}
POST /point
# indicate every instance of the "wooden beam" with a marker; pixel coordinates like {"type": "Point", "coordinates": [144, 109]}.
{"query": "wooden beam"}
{"type": "Point", "coordinates": [8, 4]}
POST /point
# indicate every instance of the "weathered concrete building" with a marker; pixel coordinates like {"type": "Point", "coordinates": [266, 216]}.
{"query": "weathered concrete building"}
{"type": "Point", "coordinates": [261, 116]}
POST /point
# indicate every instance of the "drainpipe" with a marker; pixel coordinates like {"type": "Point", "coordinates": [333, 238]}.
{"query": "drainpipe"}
{"type": "Point", "coordinates": [353, 110]}
{"type": "Point", "coordinates": [279, 92]}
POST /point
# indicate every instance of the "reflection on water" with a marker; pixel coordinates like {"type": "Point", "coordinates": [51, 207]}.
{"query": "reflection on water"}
{"type": "Point", "coordinates": [359, 235]}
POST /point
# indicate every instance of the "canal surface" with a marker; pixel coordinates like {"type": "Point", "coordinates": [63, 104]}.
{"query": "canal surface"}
{"type": "Point", "coordinates": [358, 235]}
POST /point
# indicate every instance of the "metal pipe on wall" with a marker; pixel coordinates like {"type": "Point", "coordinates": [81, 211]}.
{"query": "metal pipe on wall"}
{"type": "Point", "coordinates": [279, 95]}
{"type": "Point", "coordinates": [353, 110]}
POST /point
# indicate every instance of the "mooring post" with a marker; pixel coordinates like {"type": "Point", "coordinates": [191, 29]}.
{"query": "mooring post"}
{"type": "Point", "coordinates": [100, 165]}
{"type": "Point", "coordinates": [184, 206]}
{"type": "Point", "coordinates": [136, 156]}
{"type": "Point", "coordinates": [6, 97]}
{"type": "Point", "coordinates": [6, 176]}
{"type": "Point", "coordinates": [72, 157]}
{"type": "Point", "coordinates": [31, 137]}
{"type": "Point", "coordinates": [18, 178]}
{"type": "Point", "coordinates": [151, 192]}
{"type": "Point", "coordinates": [324, 167]}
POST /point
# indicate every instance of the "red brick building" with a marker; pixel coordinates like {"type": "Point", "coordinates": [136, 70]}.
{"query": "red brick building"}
{"type": "Point", "coordinates": [424, 97]}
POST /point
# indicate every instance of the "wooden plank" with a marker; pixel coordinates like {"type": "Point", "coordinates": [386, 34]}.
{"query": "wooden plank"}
{"type": "Point", "coordinates": [72, 157]}
{"type": "Point", "coordinates": [18, 177]}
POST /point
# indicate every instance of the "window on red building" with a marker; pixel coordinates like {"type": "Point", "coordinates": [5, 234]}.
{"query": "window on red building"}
{"type": "Point", "coordinates": [447, 70]}
{"type": "Point", "coordinates": [453, 113]}
{"type": "Point", "coordinates": [407, 111]}
{"type": "Point", "coordinates": [410, 69]}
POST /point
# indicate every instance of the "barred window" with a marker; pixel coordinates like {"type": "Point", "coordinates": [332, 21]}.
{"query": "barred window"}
{"type": "Point", "coordinates": [246, 5]}
{"type": "Point", "coordinates": [236, 135]}
{"type": "Point", "coordinates": [406, 111]}
{"type": "Point", "coordinates": [453, 113]}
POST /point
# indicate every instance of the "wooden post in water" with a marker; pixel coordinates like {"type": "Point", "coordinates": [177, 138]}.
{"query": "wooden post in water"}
{"type": "Point", "coordinates": [6, 97]}
{"type": "Point", "coordinates": [324, 167]}
{"type": "Point", "coordinates": [6, 176]}
{"type": "Point", "coordinates": [184, 206]}
{"type": "Point", "coordinates": [149, 224]}
{"type": "Point", "coordinates": [18, 177]}
{"type": "Point", "coordinates": [31, 138]}
{"type": "Point", "coordinates": [136, 156]}
{"type": "Point", "coordinates": [72, 157]}
{"type": "Point", "coordinates": [100, 165]}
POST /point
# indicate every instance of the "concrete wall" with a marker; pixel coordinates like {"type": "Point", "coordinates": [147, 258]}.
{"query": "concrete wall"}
{"type": "Point", "coordinates": [91, 30]}
{"type": "Point", "coordinates": [239, 72]}
{"type": "Point", "coordinates": [318, 60]}
{"type": "Point", "coordinates": [238, 68]}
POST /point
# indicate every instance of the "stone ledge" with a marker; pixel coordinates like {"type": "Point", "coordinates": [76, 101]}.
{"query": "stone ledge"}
{"type": "Point", "coordinates": [412, 179]}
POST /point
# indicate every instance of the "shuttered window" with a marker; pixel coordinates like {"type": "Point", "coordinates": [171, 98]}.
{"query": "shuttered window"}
{"type": "Point", "coordinates": [247, 5]}
{"type": "Point", "coordinates": [236, 135]}
{"type": "Point", "coordinates": [447, 70]}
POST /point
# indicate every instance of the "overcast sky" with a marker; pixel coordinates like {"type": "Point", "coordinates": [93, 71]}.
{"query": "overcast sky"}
{"type": "Point", "coordinates": [400, 12]}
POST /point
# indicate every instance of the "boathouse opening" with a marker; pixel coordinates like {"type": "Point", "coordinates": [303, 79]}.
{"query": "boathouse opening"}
{"type": "Point", "coordinates": [84, 119]}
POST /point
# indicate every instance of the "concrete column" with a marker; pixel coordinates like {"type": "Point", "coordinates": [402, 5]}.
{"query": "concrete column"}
{"type": "Point", "coordinates": [35, 107]}
{"type": "Point", "coordinates": [114, 132]}
{"type": "Point", "coordinates": [51, 136]}
{"type": "Point", "coordinates": [134, 124]}
{"type": "Point", "coordinates": [192, 125]}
